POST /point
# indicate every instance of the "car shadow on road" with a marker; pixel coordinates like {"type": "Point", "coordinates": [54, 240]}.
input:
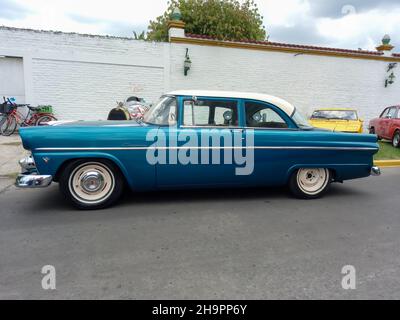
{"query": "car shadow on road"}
{"type": "Point", "coordinates": [204, 195]}
{"type": "Point", "coordinates": [52, 201]}
{"type": "Point", "coordinates": [232, 195]}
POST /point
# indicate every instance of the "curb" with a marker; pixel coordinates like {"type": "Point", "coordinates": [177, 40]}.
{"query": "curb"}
{"type": "Point", "coordinates": [387, 163]}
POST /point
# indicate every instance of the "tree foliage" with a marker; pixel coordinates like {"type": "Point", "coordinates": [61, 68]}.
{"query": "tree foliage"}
{"type": "Point", "coordinates": [139, 36]}
{"type": "Point", "coordinates": [221, 19]}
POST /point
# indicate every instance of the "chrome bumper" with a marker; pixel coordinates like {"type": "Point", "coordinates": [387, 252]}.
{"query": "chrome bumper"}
{"type": "Point", "coordinates": [375, 171]}
{"type": "Point", "coordinates": [33, 180]}
{"type": "Point", "coordinates": [30, 178]}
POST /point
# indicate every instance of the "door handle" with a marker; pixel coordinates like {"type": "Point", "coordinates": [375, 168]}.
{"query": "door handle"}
{"type": "Point", "coordinates": [237, 130]}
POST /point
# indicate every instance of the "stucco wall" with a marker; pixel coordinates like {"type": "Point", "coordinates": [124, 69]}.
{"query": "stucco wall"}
{"type": "Point", "coordinates": [83, 76]}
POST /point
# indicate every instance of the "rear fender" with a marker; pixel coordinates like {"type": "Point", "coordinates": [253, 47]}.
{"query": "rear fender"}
{"type": "Point", "coordinates": [340, 172]}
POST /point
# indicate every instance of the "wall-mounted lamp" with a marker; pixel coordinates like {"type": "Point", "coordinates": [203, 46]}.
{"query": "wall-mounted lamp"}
{"type": "Point", "coordinates": [187, 64]}
{"type": "Point", "coordinates": [390, 79]}
{"type": "Point", "coordinates": [391, 66]}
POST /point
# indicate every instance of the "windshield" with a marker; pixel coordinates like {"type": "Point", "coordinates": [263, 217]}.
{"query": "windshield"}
{"type": "Point", "coordinates": [163, 112]}
{"type": "Point", "coordinates": [335, 114]}
{"type": "Point", "coordinates": [300, 120]}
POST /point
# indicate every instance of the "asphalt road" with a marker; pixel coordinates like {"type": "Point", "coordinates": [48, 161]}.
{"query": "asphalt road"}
{"type": "Point", "coordinates": [230, 244]}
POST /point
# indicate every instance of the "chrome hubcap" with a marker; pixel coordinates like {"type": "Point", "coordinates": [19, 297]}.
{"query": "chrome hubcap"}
{"type": "Point", "coordinates": [91, 183]}
{"type": "Point", "coordinates": [312, 180]}
{"type": "Point", "coordinates": [396, 140]}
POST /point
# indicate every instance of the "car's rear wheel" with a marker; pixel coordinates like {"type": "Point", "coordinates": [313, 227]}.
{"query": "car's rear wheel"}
{"type": "Point", "coordinates": [91, 184]}
{"type": "Point", "coordinates": [396, 139]}
{"type": "Point", "coordinates": [310, 183]}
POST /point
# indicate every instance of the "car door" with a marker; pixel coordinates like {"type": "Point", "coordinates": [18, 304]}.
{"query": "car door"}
{"type": "Point", "coordinates": [379, 130]}
{"type": "Point", "coordinates": [387, 121]}
{"type": "Point", "coordinates": [200, 147]}
{"type": "Point", "coordinates": [394, 123]}
{"type": "Point", "coordinates": [272, 130]}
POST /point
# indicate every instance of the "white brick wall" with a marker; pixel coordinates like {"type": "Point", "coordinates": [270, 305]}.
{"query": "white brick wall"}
{"type": "Point", "coordinates": [83, 76]}
{"type": "Point", "coordinates": [81, 90]}
{"type": "Point", "coordinates": [307, 81]}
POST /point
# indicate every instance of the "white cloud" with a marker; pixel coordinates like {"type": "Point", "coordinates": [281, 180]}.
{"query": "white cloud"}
{"type": "Point", "coordinates": [283, 12]}
{"type": "Point", "coordinates": [361, 29]}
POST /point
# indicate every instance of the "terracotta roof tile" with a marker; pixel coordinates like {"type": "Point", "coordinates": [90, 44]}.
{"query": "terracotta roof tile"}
{"type": "Point", "coordinates": [288, 45]}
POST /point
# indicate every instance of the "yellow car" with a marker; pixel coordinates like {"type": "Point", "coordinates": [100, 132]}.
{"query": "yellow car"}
{"type": "Point", "coordinates": [344, 120]}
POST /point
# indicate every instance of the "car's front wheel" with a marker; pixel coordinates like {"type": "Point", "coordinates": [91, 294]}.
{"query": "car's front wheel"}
{"type": "Point", "coordinates": [91, 184]}
{"type": "Point", "coordinates": [310, 183]}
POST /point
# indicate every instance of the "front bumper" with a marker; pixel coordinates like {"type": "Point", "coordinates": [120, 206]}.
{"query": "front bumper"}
{"type": "Point", "coordinates": [29, 178]}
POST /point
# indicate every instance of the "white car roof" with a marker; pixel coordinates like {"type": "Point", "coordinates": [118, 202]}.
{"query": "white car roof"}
{"type": "Point", "coordinates": [285, 106]}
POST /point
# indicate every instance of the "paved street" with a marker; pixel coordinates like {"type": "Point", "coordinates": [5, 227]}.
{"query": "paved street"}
{"type": "Point", "coordinates": [234, 244]}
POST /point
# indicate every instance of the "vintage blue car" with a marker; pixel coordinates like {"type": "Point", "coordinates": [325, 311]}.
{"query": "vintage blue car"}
{"type": "Point", "coordinates": [194, 139]}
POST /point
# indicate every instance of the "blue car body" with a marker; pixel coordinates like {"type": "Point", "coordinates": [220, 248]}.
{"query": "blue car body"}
{"type": "Point", "coordinates": [277, 152]}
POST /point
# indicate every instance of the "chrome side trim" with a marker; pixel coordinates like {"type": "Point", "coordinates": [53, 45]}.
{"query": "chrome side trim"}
{"type": "Point", "coordinates": [203, 147]}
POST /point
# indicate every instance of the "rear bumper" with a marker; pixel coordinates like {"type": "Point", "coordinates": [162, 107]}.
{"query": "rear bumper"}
{"type": "Point", "coordinates": [30, 180]}
{"type": "Point", "coordinates": [30, 177]}
{"type": "Point", "coordinates": [375, 171]}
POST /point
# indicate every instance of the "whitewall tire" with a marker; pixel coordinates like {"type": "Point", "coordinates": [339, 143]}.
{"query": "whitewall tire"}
{"type": "Point", "coordinates": [91, 184]}
{"type": "Point", "coordinates": [310, 183]}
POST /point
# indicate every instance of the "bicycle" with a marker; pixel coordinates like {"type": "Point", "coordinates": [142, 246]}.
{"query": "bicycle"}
{"type": "Point", "coordinates": [36, 116]}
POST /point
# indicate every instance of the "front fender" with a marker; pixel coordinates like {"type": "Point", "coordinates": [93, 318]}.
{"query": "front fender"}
{"type": "Point", "coordinates": [49, 163]}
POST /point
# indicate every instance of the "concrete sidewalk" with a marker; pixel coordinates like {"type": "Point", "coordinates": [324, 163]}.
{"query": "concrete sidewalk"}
{"type": "Point", "coordinates": [11, 151]}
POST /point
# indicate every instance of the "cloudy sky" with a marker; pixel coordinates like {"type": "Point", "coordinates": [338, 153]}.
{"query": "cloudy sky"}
{"type": "Point", "coordinates": [337, 23]}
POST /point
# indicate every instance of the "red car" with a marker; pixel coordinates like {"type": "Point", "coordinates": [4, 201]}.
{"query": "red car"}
{"type": "Point", "coordinates": [387, 126]}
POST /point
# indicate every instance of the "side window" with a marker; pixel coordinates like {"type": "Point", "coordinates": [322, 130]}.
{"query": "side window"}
{"type": "Point", "coordinates": [203, 112]}
{"type": "Point", "coordinates": [259, 115]}
{"type": "Point", "coordinates": [384, 113]}
{"type": "Point", "coordinates": [392, 112]}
